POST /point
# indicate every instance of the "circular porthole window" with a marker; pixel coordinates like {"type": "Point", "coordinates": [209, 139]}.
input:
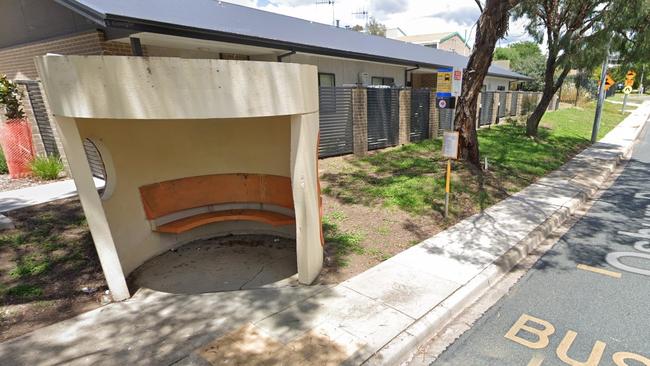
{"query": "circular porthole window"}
{"type": "Point", "coordinates": [100, 167]}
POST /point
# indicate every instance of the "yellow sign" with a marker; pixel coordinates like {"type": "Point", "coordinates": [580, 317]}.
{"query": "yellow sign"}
{"type": "Point", "coordinates": [609, 82]}
{"type": "Point", "coordinates": [444, 82]}
{"type": "Point", "coordinates": [629, 78]}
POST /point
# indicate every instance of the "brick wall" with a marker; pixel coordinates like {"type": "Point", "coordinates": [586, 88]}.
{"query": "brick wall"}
{"type": "Point", "coordinates": [404, 117]}
{"type": "Point", "coordinates": [18, 62]}
{"type": "Point", "coordinates": [360, 121]}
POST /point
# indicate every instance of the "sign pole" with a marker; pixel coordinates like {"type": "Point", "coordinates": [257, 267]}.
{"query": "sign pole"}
{"type": "Point", "coordinates": [624, 103]}
{"type": "Point", "coordinates": [447, 187]}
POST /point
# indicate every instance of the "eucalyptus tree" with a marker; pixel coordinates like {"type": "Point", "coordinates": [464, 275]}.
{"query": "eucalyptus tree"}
{"type": "Point", "coordinates": [491, 26]}
{"type": "Point", "coordinates": [576, 35]}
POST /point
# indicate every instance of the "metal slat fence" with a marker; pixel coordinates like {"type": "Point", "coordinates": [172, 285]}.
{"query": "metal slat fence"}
{"type": "Point", "coordinates": [335, 105]}
{"type": "Point", "coordinates": [487, 107]}
{"type": "Point", "coordinates": [383, 117]}
{"type": "Point", "coordinates": [513, 103]}
{"type": "Point", "coordinates": [420, 101]}
{"type": "Point", "coordinates": [41, 116]}
{"type": "Point", "coordinates": [445, 120]}
{"type": "Point", "coordinates": [502, 104]}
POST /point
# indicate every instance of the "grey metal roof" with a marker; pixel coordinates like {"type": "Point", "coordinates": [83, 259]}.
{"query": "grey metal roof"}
{"type": "Point", "coordinates": [217, 20]}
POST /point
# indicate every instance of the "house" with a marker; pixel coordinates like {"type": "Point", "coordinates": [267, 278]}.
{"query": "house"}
{"type": "Point", "coordinates": [207, 29]}
{"type": "Point", "coordinates": [449, 41]}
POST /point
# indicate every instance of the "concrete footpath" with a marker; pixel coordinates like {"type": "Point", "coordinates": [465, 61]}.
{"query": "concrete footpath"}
{"type": "Point", "coordinates": [377, 317]}
{"type": "Point", "coordinates": [30, 196]}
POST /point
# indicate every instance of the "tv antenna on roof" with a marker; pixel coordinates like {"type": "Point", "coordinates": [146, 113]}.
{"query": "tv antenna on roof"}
{"type": "Point", "coordinates": [362, 14]}
{"type": "Point", "coordinates": [328, 2]}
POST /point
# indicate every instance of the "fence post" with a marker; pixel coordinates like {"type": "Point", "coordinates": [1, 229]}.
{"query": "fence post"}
{"type": "Point", "coordinates": [508, 106]}
{"type": "Point", "coordinates": [404, 117]}
{"type": "Point", "coordinates": [496, 101]}
{"type": "Point", "coordinates": [434, 120]}
{"type": "Point", "coordinates": [359, 121]}
{"type": "Point", "coordinates": [520, 102]}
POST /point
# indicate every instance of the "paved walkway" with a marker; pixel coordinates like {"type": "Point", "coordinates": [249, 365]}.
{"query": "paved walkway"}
{"type": "Point", "coordinates": [377, 317]}
{"type": "Point", "coordinates": [25, 197]}
{"type": "Point", "coordinates": [578, 285]}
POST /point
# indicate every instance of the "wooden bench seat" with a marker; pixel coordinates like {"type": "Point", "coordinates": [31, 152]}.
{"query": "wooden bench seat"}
{"type": "Point", "coordinates": [189, 223]}
{"type": "Point", "coordinates": [169, 197]}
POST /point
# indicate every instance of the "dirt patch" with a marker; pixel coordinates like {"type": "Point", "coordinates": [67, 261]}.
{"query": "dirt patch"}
{"type": "Point", "coordinates": [49, 270]}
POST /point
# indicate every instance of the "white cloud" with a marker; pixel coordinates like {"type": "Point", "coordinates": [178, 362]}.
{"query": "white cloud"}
{"type": "Point", "coordinates": [412, 16]}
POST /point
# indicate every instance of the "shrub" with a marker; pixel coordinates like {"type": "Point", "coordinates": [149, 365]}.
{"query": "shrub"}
{"type": "Point", "coordinates": [10, 98]}
{"type": "Point", "coordinates": [3, 164]}
{"type": "Point", "coordinates": [47, 167]}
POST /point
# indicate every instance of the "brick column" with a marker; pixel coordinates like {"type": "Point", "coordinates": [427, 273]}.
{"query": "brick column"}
{"type": "Point", "coordinates": [520, 102]}
{"type": "Point", "coordinates": [404, 117]}
{"type": "Point", "coordinates": [495, 109]}
{"type": "Point", "coordinates": [360, 121]}
{"type": "Point", "coordinates": [434, 117]}
{"type": "Point", "coordinates": [508, 103]}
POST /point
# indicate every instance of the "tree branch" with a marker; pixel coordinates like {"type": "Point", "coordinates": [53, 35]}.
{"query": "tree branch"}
{"type": "Point", "coordinates": [480, 6]}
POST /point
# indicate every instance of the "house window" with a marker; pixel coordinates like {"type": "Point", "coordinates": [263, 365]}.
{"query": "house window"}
{"type": "Point", "coordinates": [326, 79]}
{"type": "Point", "coordinates": [380, 80]}
{"type": "Point", "coordinates": [431, 45]}
{"type": "Point", "coordinates": [501, 88]}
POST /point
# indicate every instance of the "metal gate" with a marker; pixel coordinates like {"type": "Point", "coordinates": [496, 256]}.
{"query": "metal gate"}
{"type": "Point", "coordinates": [335, 121]}
{"type": "Point", "coordinates": [445, 120]}
{"type": "Point", "coordinates": [419, 114]}
{"type": "Point", "coordinates": [487, 107]}
{"type": "Point", "coordinates": [502, 104]}
{"type": "Point", "coordinates": [513, 103]}
{"type": "Point", "coordinates": [383, 117]}
{"type": "Point", "coordinates": [41, 116]}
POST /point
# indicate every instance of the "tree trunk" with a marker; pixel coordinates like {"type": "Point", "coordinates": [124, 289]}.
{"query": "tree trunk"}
{"type": "Point", "coordinates": [491, 26]}
{"type": "Point", "coordinates": [550, 88]}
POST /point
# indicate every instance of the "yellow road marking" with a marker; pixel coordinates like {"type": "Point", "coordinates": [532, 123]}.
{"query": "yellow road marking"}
{"type": "Point", "coordinates": [599, 271]}
{"type": "Point", "coordinates": [536, 361]}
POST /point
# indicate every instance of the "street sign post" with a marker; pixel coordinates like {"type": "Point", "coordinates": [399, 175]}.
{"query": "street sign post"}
{"type": "Point", "coordinates": [449, 151]}
{"type": "Point", "coordinates": [629, 83]}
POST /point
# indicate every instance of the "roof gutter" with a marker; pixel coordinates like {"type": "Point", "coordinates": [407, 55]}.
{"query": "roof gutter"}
{"type": "Point", "coordinates": [280, 57]}
{"type": "Point", "coordinates": [139, 25]}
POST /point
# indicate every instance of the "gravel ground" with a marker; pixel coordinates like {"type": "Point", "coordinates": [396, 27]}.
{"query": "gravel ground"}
{"type": "Point", "coordinates": [8, 184]}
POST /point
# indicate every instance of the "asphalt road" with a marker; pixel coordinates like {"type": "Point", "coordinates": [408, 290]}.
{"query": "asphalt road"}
{"type": "Point", "coordinates": [563, 313]}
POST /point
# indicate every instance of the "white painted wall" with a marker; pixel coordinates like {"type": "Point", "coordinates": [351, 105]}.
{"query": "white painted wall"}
{"type": "Point", "coordinates": [493, 83]}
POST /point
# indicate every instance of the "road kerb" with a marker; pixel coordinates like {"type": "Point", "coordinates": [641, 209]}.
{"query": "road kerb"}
{"type": "Point", "coordinates": [403, 345]}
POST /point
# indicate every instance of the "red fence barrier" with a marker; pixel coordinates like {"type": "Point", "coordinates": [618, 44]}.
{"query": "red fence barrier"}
{"type": "Point", "coordinates": [16, 141]}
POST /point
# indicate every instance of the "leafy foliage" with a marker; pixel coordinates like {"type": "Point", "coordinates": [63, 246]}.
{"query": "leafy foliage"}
{"type": "Point", "coordinates": [10, 98]}
{"type": "Point", "coordinates": [3, 163]}
{"type": "Point", "coordinates": [375, 28]}
{"type": "Point", "coordinates": [47, 168]}
{"type": "Point", "coordinates": [525, 58]}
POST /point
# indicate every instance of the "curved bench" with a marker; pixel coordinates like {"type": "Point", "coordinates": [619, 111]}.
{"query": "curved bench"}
{"type": "Point", "coordinates": [174, 196]}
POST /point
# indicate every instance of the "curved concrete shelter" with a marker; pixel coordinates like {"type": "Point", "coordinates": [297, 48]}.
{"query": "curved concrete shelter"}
{"type": "Point", "coordinates": [192, 149]}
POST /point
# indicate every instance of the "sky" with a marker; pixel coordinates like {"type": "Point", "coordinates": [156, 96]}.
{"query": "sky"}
{"type": "Point", "coordinates": [412, 16]}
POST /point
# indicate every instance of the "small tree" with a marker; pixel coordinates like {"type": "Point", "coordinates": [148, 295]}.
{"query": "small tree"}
{"type": "Point", "coordinates": [525, 58]}
{"type": "Point", "coordinates": [491, 26]}
{"type": "Point", "coordinates": [375, 28]}
{"type": "Point", "coordinates": [10, 99]}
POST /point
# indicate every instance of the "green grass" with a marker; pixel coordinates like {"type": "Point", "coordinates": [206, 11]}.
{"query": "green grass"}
{"type": "Point", "coordinates": [46, 167]}
{"type": "Point", "coordinates": [3, 163]}
{"type": "Point", "coordinates": [49, 248]}
{"type": "Point", "coordinates": [412, 177]}
{"type": "Point", "coordinates": [343, 243]}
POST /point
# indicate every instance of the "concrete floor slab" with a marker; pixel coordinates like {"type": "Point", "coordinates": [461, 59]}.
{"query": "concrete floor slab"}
{"type": "Point", "coordinates": [221, 264]}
